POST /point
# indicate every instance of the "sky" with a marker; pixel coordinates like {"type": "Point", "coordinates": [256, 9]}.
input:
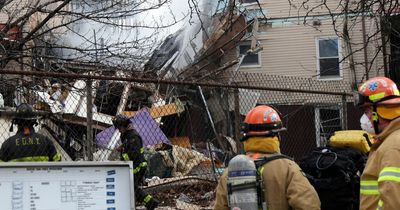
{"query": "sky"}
{"type": "Point", "coordinates": [180, 9]}
{"type": "Point", "coordinates": [109, 35]}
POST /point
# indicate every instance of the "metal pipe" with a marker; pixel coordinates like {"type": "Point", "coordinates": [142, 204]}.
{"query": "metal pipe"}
{"type": "Point", "coordinates": [344, 113]}
{"type": "Point", "coordinates": [89, 120]}
{"type": "Point", "coordinates": [160, 81]}
{"type": "Point", "coordinates": [213, 128]}
{"type": "Point", "coordinates": [384, 40]}
{"type": "Point", "coordinates": [364, 40]}
{"type": "Point", "coordinates": [239, 145]}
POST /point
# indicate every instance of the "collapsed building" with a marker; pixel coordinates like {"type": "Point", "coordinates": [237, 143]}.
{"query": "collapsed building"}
{"type": "Point", "coordinates": [169, 118]}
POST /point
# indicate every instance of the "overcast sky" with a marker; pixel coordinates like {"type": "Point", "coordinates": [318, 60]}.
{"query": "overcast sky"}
{"type": "Point", "coordinates": [180, 9]}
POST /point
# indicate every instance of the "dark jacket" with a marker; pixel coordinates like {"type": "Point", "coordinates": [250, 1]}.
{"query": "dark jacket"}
{"type": "Point", "coordinates": [132, 150]}
{"type": "Point", "coordinates": [28, 147]}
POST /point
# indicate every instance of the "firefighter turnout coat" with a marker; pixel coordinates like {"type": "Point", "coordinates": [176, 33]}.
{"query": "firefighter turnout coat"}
{"type": "Point", "coordinates": [132, 150]}
{"type": "Point", "coordinates": [380, 181]}
{"type": "Point", "coordinates": [285, 185]}
{"type": "Point", "coordinates": [28, 146]}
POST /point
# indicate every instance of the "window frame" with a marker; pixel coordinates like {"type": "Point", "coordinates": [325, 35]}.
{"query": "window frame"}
{"type": "Point", "coordinates": [328, 77]}
{"type": "Point", "coordinates": [249, 65]}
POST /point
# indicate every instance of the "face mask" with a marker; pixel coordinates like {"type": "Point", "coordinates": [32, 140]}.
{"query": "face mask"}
{"type": "Point", "coordinates": [366, 124]}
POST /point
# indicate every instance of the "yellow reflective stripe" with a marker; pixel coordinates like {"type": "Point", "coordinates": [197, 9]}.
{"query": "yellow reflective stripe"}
{"type": "Point", "coordinates": [261, 170]}
{"type": "Point", "coordinates": [141, 150]}
{"type": "Point", "coordinates": [57, 157]}
{"type": "Point", "coordinates": [125, 156]}
{"type": "Point", "coordinates": [141, 165]}
{"type": "Point", "coordinates": [369, 187]}
{"type": "Point", "coordinates": [396, 92]}
{"type": "Point", "coordinates": [391, 169]}
{"type": "Point", "coordinates": [369, 182]}
{"type": "Point", "coordinates": [389, 174]}
{"type": "Point", "coordinates": [29, 159]}
{"type": "Point", "coordinates": [380, 205]}
{"type": "Point", "coordinates": [377, 96]}
{"type": "Point", "coordinates": [147, 198]}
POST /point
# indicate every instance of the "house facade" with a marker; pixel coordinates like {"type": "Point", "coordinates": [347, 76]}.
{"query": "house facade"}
{"type": "Point", "coordinates": [308, 40]}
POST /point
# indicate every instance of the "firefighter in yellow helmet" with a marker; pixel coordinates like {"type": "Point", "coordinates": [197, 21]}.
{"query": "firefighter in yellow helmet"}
{"type": "Point", "coordinates": [379, 98]}
{"type": "Point", "coordinates": [26, 144]}
{"type": "Point", "coordinates": [284, 185]}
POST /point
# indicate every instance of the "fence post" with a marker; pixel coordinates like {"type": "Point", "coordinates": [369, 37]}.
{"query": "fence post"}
{"type": "Point", "coordinates": [237, 121]}
{"type": "Point", "coordinates": [344, 110]}
{"type": "Point", "coordinates": [89, 120]}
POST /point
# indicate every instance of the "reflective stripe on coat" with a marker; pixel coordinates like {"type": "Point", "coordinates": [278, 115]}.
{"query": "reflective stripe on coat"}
{"type": "Point", "coordinates": [380, 181]}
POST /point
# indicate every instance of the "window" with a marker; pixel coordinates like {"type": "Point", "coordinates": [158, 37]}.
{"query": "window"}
{"type": "Point", "coordinates": [328, 58]}
{"type": "Point", "coordinates": [327, 121]}
{"type": "Point", "coordinates": [249, 59]}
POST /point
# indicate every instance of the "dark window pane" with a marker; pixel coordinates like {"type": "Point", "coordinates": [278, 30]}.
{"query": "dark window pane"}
{"type": "Point", "coordinates": [329, 67]}
{"type": "Point", "coordinates": [251, 59]}
{"type": "Point", "coordinates": [243, 49]}
{"type": "Point", "coordinates": [328, 48]}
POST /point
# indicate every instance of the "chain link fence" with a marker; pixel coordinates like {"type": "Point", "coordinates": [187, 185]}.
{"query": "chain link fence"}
{"type": "Point", "coordinates": [190, 130]}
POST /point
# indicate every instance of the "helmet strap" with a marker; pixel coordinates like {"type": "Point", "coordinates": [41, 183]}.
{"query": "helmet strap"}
{"type": "Point", "coordinates": [375, 119]}
{"type": "Point", "coordinates": [266, 134]}
{"type": "Point", "coordinates": [260, 127]}
{"type": "Point", "coordinates": [12, 126]}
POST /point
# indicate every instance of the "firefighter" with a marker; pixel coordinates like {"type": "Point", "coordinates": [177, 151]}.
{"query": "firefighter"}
{"type": "Point", "coordinates": [132, 150]}
{"type": "Point", "coordinates": [283, 183]}
{"type": "Point", "coordinates": [26, 144]}
{"type": "Point", "coordinates": [379, 98]}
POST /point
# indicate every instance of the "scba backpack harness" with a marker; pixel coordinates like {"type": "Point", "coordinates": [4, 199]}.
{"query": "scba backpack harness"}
{"type": "Point", "coordinates": [335, 175]}
{"type": "Point", "coordinates": [245, 183]}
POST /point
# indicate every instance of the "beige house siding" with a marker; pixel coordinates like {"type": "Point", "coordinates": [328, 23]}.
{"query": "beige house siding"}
{"type": "Point", "coordinates": [282, 8]}
{"type": "Point", "coordinates": [289, 48]}
{"type": "Point", "coordinates": [15, 9]}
